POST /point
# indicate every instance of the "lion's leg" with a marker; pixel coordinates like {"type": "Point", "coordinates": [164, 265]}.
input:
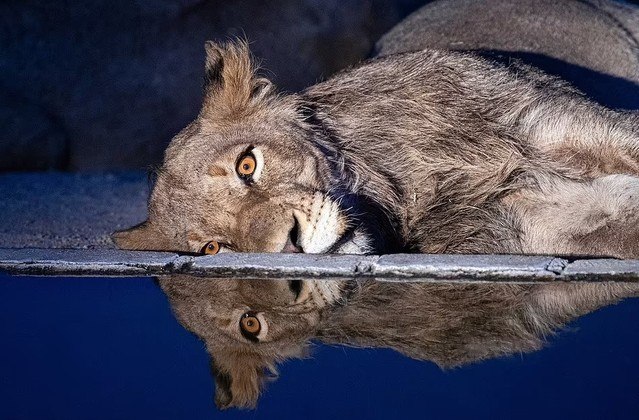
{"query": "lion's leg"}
{"type": "Point", "coordinates": [594, 140]}
{"type": "Point", "coordinates": [595, 217]}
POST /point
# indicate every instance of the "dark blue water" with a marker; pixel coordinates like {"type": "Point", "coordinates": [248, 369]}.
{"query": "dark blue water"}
{"type": "Point", "coordinates": [78, 348]}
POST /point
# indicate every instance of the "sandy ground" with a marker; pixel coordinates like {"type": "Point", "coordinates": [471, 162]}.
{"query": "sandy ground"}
{"type": "Point", "coordinates": [58, 210]}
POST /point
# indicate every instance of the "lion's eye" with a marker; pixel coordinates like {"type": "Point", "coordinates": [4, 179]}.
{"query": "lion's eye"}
{"type": "Point", "coordinates": [246, 165]}
{"type": "Point", "coordinates": [250, 325]}
{"type": "Point", "coordinates": [211, 248]}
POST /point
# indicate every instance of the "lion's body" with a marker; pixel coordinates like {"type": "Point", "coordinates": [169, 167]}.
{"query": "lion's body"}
{"type": "Point", "coordinates": [429, 151]}
{"type": "Point", "coordinates": [468, 156]}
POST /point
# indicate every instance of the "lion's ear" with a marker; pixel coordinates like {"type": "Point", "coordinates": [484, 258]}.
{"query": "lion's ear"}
{"type": "Point", "coordinates": [231, 83]}
{"type": "Point", "coordinates": [239, 379]}
{"type": "Point", "coordinates": [223, 395]}
{"type": "Point", "coordinates": [143, 237]}
{"type": "Point", "coordinates": [214, 64]}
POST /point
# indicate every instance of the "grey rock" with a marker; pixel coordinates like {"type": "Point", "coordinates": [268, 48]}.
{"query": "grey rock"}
{"type": "Point", "coordinates": [30, 138]}
{"type": "Point", "coordinates": [117, 79]}
{"type": "Point", "coordinates": [602, 270]}
{"type": "Point", "coordinates": [594, 44]}
{"type": "Point", "coordinates": [55, 210]}
{"type": "Point", "coordinates": [283, 265]}
{"type": "Point", "coordinates": [446, 266]}
{"type": "Point", "coordinates": [412, 268]}
{"type": "Point", "coordinates": [79, 262]}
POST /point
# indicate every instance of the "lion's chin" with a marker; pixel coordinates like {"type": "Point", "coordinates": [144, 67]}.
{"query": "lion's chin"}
{"type": "Point", "coordinates": [358, 242]}
{"type": "Point", "coordinates": [321, 225]}
{"type": "Point", "coordinates": [321, 293]}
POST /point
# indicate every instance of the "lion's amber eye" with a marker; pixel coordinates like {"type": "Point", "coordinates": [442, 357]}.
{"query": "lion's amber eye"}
{"type": "Point", "coordinates": [249, 324]}
{"type": "Point", "coordinates": [246, 165]}
{"type": "Point", "coordinates": [211, 248]}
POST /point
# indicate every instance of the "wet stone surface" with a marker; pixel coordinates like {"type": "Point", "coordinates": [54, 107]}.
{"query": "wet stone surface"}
{"type": "Point", "coordinates": [399, 267]}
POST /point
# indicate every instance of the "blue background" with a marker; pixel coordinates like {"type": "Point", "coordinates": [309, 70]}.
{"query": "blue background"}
{"type": "Point", "coordinates": [110, 348]}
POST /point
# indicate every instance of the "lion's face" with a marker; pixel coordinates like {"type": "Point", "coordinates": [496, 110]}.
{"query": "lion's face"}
{"type": "Point", "coordinates": [242, 177]}
{"type": "Point", "coordinates": [238, 187]}
{"type": "Point", "coordinates": [249, 326]}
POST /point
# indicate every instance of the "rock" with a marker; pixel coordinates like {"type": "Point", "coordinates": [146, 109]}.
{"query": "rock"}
{"type": "Point", "coordinates": [591, 43]}
{"type": "Point", "coordinates": [113, 81]}
{"type": "Point", "coordinates": [32, 140]}
{"type": "Point", "coordinates": [55, 210]}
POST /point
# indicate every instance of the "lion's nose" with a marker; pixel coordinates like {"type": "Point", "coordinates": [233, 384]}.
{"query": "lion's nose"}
{"type": "Point", "coordinates": [292, 242]}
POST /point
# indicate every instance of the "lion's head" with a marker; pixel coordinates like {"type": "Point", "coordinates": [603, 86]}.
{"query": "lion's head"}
{"type": "Point", "coordinates": [243, 176]}
{"type": "Point", "coordinates": [249, 326]}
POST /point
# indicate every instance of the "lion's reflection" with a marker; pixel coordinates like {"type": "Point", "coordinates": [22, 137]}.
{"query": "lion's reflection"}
{"type": "Point", "coordinates": [251, 325]}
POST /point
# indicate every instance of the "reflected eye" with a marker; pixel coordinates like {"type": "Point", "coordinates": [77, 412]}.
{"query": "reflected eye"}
{"type": "Point", "coordinates": [211, 248]}
{"type": "Point", "coordinates": [250, 325]}
{"type": "Point", "coordinates": [246, 165]}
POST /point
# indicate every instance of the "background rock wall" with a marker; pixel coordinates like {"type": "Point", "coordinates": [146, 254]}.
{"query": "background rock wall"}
{"type": "Point", "coordinates": [593, 44]}
{"type": "Point", "coordinates": [105, 84]}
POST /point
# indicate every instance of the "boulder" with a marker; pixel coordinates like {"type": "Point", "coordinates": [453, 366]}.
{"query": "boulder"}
{"type": "Point", "coordinates": [594, 44]}
{"type": "Point", "coordinates": [113, 81]}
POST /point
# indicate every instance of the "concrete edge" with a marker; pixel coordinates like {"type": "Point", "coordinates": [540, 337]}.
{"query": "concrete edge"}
{"type": "Point", "coordinates": [414, 267]}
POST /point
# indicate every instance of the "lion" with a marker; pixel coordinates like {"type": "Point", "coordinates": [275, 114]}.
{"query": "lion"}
{"type": "Point", "coordinates": [428, 151]}
{"type": "Point", "coordinates": [248, 327]}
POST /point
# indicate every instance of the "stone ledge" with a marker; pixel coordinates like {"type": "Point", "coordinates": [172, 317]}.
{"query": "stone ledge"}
{"type": "Point", "coordinates": [397, 267]}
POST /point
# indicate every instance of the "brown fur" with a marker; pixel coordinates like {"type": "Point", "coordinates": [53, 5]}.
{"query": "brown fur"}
{"type": "Point", "coordinates": [449, 324]}
{"type": "Point", "coordinates": [430, 151]}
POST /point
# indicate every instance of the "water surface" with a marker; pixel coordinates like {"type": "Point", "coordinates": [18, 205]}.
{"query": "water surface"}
{"type": "Point", "coordinates": [111, 348]}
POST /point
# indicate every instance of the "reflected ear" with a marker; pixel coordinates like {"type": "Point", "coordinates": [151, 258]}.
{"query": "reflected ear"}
{"type": "Point", "coordinates": [223, 396]}
{"type": "Point", "coordinates": [238, 381]}
{"type": "Point", "coordinates": [143, 237]}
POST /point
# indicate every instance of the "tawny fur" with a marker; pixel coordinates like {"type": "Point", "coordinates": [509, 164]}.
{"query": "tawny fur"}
{"type": "Point", "coordinates": [456, 148]}
{"type": "Point", "coordinates": [429, 151]}
{"type": "Point", "coordinates": [448, 324]}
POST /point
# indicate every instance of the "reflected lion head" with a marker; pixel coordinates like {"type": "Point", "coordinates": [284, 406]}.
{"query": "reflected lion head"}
{"type": "Point", "coordinates": [250, 326]}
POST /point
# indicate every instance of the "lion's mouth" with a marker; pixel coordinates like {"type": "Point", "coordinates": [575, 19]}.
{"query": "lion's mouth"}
{"type": "Point", "coordinates": [293, 244]}
{"type": "Point", "coordinates": [346, 237]}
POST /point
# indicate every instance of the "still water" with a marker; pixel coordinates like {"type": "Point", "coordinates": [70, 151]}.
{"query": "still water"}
{"type": "Point", "coordinates": [113, 348]}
